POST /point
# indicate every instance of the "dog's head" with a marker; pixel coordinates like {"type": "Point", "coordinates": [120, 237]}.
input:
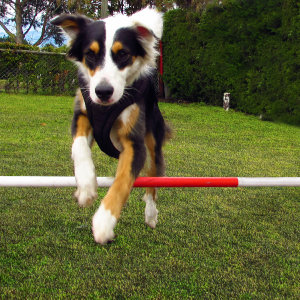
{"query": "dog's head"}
{"type": "Point", "coordinates": [114, 52]}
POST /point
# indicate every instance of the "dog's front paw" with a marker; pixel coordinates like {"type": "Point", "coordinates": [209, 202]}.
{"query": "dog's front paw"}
{"type": "Point", "coordinates": [151, 213]}
{"type": "Point", "coordinates": [86, 194]}
{"type": "Point", "coordinates": [103, 225]}
{"type": "Point", "coordinates": [86, 180]}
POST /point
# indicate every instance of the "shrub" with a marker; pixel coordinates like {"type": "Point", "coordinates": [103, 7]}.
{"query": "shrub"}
{"type": "Point", "coordinates": [37, 72]}
{"type": "Point", "coordinates": [247, 48]}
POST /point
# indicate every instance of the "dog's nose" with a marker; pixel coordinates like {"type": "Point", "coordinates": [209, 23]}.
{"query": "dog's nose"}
{"type": "Point", "coordinates": [104, 91]}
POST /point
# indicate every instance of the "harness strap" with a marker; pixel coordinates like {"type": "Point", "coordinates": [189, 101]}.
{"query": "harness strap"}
{"type": "Point", "coordinates": [102, 117]}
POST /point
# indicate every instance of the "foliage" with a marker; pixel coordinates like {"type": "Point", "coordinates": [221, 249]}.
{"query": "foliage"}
{"type": "Point", "coordinates": [247, 48]}
{"type": "Point", "coordinates": [9, 39]}
{"type": "Point", "coordinates": [31, 14]}
{"type": "Point", "coordinates": [36, 72]}
{"type": "Point", "coordinates": [36, 14]}
{"type": "Point", "coordinates": [26, 15]}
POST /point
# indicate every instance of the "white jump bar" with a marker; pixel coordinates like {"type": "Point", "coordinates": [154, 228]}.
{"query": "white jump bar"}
{"type": "Point", "coordinates": [52, 181]}
{"type": "Point", "coordinates": [48, 181]}
{"type": "Point", "coordinates": [268, 181]}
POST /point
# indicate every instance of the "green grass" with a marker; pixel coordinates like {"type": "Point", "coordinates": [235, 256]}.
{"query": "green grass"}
{"type": "Point", "coordinates": [210, 243]}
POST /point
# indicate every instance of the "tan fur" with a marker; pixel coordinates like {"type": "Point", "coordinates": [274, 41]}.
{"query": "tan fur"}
{"type": "Point", "coordinates": [152, 172]}
{"type": "Point", "coordinates": [82, 104]}
{"type": "Point", "coordinates": [125, 129]}
{"type": "Point", "coordinates": [69, 23]}
{"type": "Point", "coordinates": [119, 192]}
{"type": "Point", "coordinates": [95, 47]}
{"type": "Point", "coordinates": [92, 72]}
{"type": "Point", "coordinates": [83, 62]}
{"type": "Point", "coordinates": [117, 46]}
{"type": "Point", "coordinates": [84, 127]}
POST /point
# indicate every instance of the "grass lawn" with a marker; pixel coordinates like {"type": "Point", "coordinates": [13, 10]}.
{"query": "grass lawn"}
{"type": "Point", "coordinates": [209, 243]}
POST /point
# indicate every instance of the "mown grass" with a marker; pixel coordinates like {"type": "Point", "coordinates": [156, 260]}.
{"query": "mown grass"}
{"type": "Point", "coordinates": [210, 243]}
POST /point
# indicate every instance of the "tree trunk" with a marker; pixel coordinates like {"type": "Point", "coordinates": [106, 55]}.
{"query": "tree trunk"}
{"type": "Point", "coordinates": [41, 39]}
{"type": "Point", "coordinates": [19, 29]}
{"type": "Point", "coordinates": [104, 9]}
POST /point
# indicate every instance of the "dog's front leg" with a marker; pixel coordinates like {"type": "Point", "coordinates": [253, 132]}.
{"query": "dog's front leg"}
{"type": "Point", "coordinates": [84, 168]}
{"type": "Point", "coordinates": [131, 161]}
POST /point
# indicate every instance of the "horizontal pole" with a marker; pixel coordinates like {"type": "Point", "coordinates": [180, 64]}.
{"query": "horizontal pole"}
{"type": "Point", "coordinates": [51, 181]}
{"type": "Point", "coordinates": [186, 182]}
{"type": "Point", "coordinates": [269, 181]}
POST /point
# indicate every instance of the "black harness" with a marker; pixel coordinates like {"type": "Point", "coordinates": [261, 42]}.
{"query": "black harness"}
{"type": "Point", "coordinates": [103, 117]}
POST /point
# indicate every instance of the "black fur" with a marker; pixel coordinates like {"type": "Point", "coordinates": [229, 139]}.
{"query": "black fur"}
{"type": "Point", "coordinates": [131, 47]}
{"type": "Point", "coordinates": [121, 114]}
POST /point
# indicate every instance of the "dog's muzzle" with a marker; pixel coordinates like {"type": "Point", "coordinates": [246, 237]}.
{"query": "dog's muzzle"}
{"type": "Point", "coordinates": [104, 91]}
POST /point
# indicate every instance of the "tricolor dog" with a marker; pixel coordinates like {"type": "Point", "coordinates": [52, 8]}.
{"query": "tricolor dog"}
{"type": "Point", "coordinates": [116, 105]}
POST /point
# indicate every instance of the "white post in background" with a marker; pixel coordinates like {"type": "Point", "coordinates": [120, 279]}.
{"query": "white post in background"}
{"type": "Point", "coordinates": [226, 100]}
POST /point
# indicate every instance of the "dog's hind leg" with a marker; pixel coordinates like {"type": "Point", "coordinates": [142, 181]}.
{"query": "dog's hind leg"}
{"type": "Point", "coordinates": [157, 169]}
{"type": "Point", "coordinates": [84, 168]}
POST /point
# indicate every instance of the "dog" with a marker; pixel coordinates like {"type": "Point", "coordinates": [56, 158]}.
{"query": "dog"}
{"type": "Point", "coordinates": [117, 107]}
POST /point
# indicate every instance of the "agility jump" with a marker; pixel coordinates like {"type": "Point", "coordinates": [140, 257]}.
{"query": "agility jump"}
{"type": "Point", "coordinates": [53, 181]}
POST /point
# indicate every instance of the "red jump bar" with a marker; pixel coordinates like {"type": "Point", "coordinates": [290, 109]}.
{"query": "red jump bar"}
{"type": "Point", "coordinates": [186, 182]}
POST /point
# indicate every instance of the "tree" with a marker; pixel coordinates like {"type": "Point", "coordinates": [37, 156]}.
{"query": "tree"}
{"type": "Point", "coordinates": [131, 6]}
{"type": "Point", "coordinates": [28, 14]}
{"type": "Point", "coordinates": [36, 14]}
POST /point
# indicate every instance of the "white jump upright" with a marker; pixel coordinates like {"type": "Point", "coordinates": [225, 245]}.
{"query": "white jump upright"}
{"type": "Point", "coordinates": [52, 181]}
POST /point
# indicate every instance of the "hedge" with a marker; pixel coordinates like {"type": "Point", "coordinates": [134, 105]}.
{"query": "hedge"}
{"type": "Point", "coordinates": [36, 70]}
{"type": "Point", "coordinates": [247, 48]}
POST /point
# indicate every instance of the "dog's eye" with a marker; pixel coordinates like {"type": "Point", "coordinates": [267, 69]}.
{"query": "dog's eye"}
{"type": "Point", "coordinates": [123, 55]}
{"type": "Point", "coordinates": [90, 55]}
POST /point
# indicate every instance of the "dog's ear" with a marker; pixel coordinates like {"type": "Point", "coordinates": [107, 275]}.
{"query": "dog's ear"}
{"type": "Point", "coordinates": [71, 24]}
{"type": "Point", "coordinates": [149, 23]}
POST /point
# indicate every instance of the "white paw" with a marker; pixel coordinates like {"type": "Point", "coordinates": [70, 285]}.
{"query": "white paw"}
{"type": "Point", "coordinates": [103, 225]}
{"type": "Point", "coordinates": [86, 180]}
{"type": "Point", "coordinates": [86, 195]}
{"type": "Point", "coordinates": [151, 213]}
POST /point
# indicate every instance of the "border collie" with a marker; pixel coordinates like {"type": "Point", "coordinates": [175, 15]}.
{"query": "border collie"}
{"type": "Point", "coordinates": [117, 107]}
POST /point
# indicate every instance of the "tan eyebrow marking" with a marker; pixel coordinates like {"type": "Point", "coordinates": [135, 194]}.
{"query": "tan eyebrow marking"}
{"type": "Point", "coordinates": [116, 47]}
{"type": "Point", "coordinates": [95, 47]}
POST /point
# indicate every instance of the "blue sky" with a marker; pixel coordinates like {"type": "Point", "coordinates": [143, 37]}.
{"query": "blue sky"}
{"type": "Point", "coordinates": [32, 36]}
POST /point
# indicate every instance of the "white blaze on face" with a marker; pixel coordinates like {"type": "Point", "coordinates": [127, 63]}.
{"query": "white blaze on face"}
{"type": "Point", "coordinates": [109, 72]}
{"type": "Point", "coordinates": [151, 23]}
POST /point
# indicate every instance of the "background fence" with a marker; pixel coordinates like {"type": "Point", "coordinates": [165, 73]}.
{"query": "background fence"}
{"type": "Point", "coordinates": [48, 73]}
{"type": "Point", "coordinates": [23, 71]}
